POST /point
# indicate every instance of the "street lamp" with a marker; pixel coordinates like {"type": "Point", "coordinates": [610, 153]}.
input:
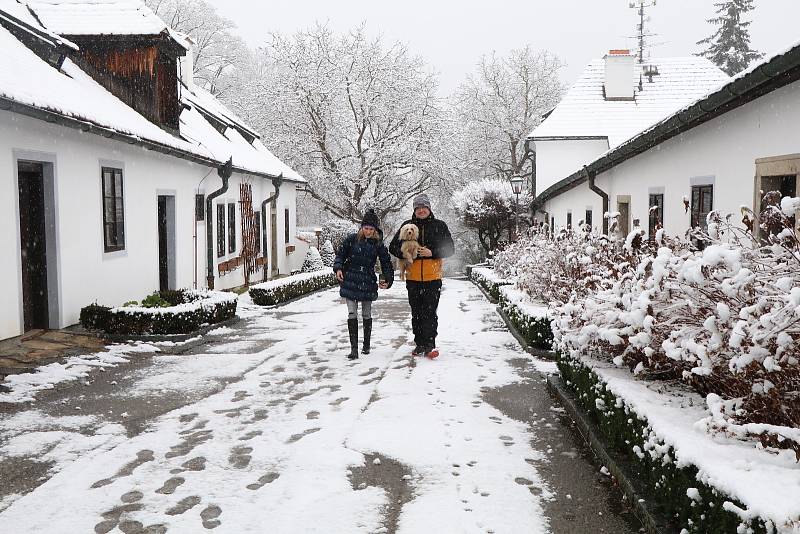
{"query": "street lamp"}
{"type": "Point", "coordinates": [516, 187]}
{"type": "Point", "coordinates": [317, 232]}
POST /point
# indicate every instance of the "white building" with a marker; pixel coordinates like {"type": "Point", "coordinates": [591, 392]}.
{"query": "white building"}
{"type": "Point", "coordinates": [112, 166]}
{"type": "Point", "coordinates": [718, 152]}
{"type": "Point", "coordinates": [614, 99]}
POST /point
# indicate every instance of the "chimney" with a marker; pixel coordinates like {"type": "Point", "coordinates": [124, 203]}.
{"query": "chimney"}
{"type": "Point", "coordinates": [186, 63]}
{"type": "Point", "coordinates": [619, 75]}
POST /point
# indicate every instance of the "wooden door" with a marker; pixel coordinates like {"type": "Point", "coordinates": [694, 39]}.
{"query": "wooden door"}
{"type": "Point", "coordinates": [33, 245]}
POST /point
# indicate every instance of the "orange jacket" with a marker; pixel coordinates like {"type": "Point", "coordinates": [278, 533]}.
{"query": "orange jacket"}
{"type": "Point", "coordinates": [425, 270]}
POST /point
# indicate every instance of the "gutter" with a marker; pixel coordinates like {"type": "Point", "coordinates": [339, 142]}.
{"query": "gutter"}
{"type": "Point", "coordinates": [603, 195]}
{"type": "Point", "coordinates": [763, 79]}
{"type": "Point", "coordinates": [276, 183]}
{"type": "Point", "coordinates": [225, 171]}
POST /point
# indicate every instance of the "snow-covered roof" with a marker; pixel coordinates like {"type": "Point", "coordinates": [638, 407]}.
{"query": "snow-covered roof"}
{"type": "Point", "coordinates": [759, 79]}
{"type": "Point", "coordinates": [72, 93]}
{"type": "Point", "coordinates": [18, 15]}
{"type": "Point", "coordinates": [584, 112]}
{"type": "Point", "coordinates": [250, 155]}
{"type": "Point", "coordinates": [97, 17]}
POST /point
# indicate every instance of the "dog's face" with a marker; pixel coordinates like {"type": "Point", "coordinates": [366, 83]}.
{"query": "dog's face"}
{"type": "Point", "coordinates": [409, 232]}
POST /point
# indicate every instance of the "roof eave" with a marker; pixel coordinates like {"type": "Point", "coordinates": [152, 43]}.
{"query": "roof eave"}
{"type": "Point", "coordinates": [8, 104]}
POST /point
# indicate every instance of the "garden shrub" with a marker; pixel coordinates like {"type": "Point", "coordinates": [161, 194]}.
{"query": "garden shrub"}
{"type": "Point", "coordinates": [168, 312]}
{"type": "Point", "coordinates": [284, 289]}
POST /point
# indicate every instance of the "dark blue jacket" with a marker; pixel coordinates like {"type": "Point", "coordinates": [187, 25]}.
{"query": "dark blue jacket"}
{"type": "Point", "coordinates": [356, 258]}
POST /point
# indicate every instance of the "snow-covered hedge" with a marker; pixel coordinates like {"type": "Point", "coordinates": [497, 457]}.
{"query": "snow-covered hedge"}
{"type": "Point", "coordinates": [297, 285]}
{"type": "Point", "coordinates": [187, 311]}
{"type": "Point", "coordinates": [701, 483]}
{"type": "Point", "coordinates": [487, 278]}
{"type": "Point", "coordinates": [725, 319]}
{"type": "Point", "coordinates": [531, 320]}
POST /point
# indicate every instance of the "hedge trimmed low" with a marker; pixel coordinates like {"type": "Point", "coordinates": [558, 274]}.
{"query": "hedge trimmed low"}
{"type": "Point", "coordinates": [189, 310]}
{"type": "Point", "coordinates": [532, 322]}
{"type": "Point", "coordinates": [689, 505]}
{"type": "Point", "coordinates": [283, 289]}
{"type": "Point", "coordinates": [488, 280]}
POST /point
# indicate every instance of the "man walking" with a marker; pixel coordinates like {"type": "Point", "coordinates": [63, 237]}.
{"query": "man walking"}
{"type": "Point", "coordinates": [424, 276]}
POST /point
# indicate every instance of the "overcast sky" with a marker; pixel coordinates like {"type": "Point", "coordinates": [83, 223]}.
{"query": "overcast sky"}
{"type": "Point", "coordinates": [452, 35]}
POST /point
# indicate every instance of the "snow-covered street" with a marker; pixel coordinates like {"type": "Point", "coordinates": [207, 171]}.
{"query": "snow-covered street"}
{"type": "Point", "coordinates": [266, 427]}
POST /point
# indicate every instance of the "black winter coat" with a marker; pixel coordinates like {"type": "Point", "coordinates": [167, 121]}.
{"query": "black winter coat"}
{"type": "Point", "coordinates": [434, 235]}
{"type": "Point", "coordinates": [356, 259]}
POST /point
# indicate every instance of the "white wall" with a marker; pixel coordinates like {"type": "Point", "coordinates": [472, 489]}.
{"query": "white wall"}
{"type": "Point", "coordinates": [85, 272]}
{"type": "Point", "coordinates": [722, 151]}
{"type": "Point", "coordinates": [558, 159]}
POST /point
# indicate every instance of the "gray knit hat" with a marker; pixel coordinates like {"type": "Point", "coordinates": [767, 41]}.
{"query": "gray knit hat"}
{"type": "Point", "coordinates": [422, 201]}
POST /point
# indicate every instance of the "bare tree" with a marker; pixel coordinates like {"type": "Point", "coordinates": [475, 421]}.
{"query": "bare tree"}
{"type": "Point", "coordinates": [500, 104]}
{"type": "Point", "coordinates": [360, 119]}
{"type": "Point", "coordinates": [217, 50]}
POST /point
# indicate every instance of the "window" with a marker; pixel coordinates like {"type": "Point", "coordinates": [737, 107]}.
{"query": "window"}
{"type": "Point", "coordinates": [231, 228]}
{"type": "Point", "coordinates": [220, 230]}
{"type": "Point", "coordinates": [702, 203]}
{"type": "Point", "coordinates": [588, 218]}
{"type": "Point", "coordinates": [286, 226]}
{"type": "Point", "coordinates": [656, 214]}
{"type": "Point", "coordinates": [113, 210]}
{"type": "Point", "coordinates": [786, 186]}
{"type": "Point", "coordinates": [200, 207]}
{"type": "Point", "coordinates": [569, 220]}
{"type": "Point", "coordinates": [257, 233]}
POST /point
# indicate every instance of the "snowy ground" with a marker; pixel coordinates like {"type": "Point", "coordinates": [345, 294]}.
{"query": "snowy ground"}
{"type": "Point", "coordinates": [278, 432]}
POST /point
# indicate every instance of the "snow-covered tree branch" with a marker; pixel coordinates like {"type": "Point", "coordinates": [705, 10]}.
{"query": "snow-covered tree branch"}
{"type": "Point", "coordinates": [501, 103]}
{"type": "Point", "coordinates": [358, 117]}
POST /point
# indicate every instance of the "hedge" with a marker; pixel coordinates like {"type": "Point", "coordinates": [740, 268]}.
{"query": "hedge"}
{"type": "Point", "coordinates": [531, 321]}
{"type": "Point", "coordinates": [297, 285]}
{"type": "Point", "coordinates": [688, 504]}
{"type": "Point", "coordinates": [188, 311]}
{"type": "Point", "coordinates": [486, 278]}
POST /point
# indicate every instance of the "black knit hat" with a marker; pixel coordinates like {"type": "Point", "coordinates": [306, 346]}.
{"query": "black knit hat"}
{"type": "Point", "coordinates": [371, 219]}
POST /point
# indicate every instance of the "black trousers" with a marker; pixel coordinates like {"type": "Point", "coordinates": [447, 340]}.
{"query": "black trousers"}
{"type": "Point", "coordinates": [423, 297]}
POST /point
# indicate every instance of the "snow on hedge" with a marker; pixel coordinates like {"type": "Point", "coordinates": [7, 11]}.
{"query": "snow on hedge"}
{"type": "Point", "coordinates": [725, 319]}
{"type": "Point", "coordinates": [283, 289]}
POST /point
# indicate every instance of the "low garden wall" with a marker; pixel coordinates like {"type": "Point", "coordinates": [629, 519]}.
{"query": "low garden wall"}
{"type": "Point", "coordinates": [285, 289]}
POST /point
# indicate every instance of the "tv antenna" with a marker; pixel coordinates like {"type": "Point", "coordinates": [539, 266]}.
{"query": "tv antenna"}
{"type": "Point", "coordinates": [642, 34]}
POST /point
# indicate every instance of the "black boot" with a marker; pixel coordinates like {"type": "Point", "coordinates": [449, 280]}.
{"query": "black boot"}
{"type": "Point", "coordinates": [352, 328]}
{"type": "Point", "coordinates": [367, 335]}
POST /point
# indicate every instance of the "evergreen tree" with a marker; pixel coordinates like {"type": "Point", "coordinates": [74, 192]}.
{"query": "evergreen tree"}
{"type": "Point", "coordinates": [729, 47]}
{"type": "Point", "coordinates": [313, 261]}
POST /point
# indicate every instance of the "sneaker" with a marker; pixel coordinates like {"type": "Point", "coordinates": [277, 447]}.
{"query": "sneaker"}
{"type": "Point", "coordinates": [418, 351]}
{"type": "Point", "coordinates": [431, 353]}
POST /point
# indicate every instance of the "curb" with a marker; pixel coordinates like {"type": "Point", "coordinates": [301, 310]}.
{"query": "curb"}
{"type": "Point", "coordinates": [533, 351]}
{"type": "Point", "coordinates": [587, 430]}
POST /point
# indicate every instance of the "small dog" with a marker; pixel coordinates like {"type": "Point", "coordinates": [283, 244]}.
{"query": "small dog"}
{"type": "Point", "coordinates": [409, 246]}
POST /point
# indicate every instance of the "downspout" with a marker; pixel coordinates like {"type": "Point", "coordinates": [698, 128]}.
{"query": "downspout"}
{"type": "Point", "coordinates": [276, 183]}
{"type": "Point", "coordinates": [603, 195]}
{"type": "Point", "coordinates": [224, 172]}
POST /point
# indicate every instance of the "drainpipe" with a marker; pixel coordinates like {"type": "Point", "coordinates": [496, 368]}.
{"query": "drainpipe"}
{"type": "Point", "coordinates": [603, 195]}
{"type": "Point", "coordinates": [224, 172]}
{"type": "Point", "coordinates": [276, 183]}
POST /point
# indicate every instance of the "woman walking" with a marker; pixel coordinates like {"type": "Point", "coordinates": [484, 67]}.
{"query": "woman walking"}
{"type": "Point", "coordinates": [355, 269]}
